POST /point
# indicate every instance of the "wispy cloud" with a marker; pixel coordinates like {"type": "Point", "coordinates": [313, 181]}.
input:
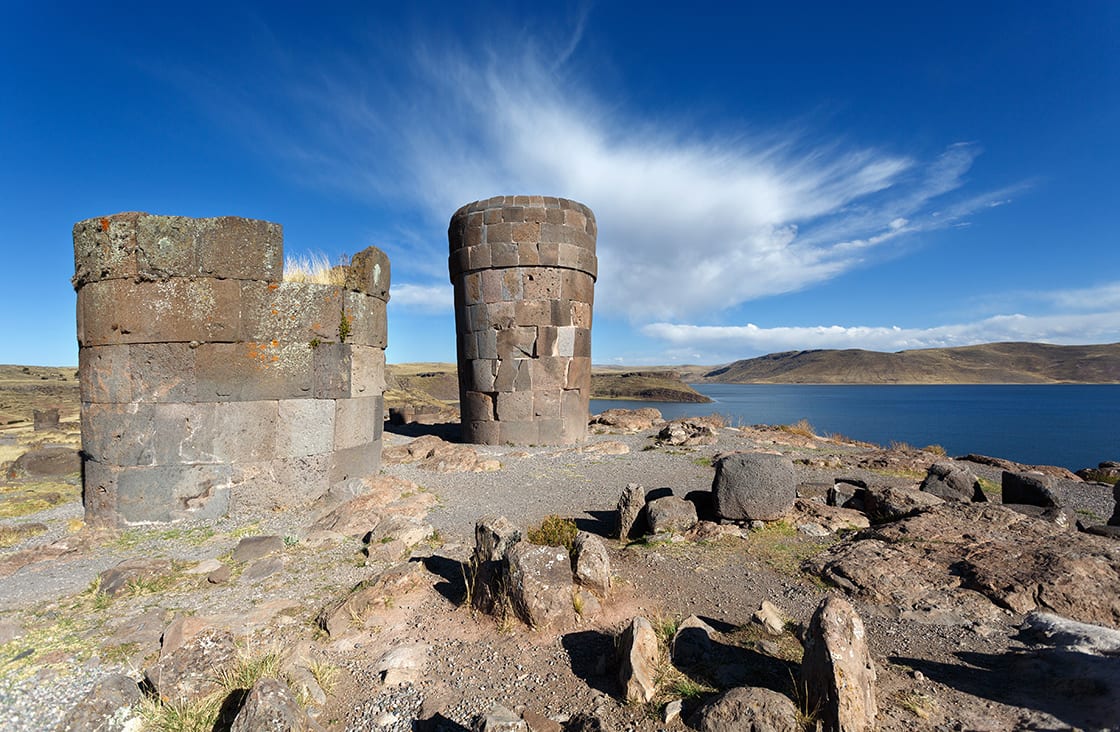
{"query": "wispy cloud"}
{"type": "Point", "coordinates": [689, 224]}
{"type": "Point", "coordinates": [717, 343]}
{"type": "Point", "coordinates": [421, 298]}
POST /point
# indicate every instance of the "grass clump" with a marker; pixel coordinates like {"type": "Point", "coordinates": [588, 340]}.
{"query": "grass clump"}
{"type": "Point", "coordinates": [779, 545]}
{"type": "Point", "coordinates": [935, 449]}
{"type": "Point", "coordinates": [23, 499]}
{"type": "Point", "coordinates": [12, 535]}
{"type": "Point", "coordinates": [554, 531]}
{"type": "Point", "coordinates": [801, 427]}
{"type": "Point", "coordinates": [315, 268]}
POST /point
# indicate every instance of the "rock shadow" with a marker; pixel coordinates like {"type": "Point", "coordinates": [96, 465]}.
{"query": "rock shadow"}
{"type": "Point", "coordinates": [723, 666]}
{"type": "Point", "coordinates": [446, 431]}
{"type": "Point", "coordinates": [705, 502]}
{"type": "Point", "coordinates": [438, 723]}
{"type": "Point", "coordinates": [600, 523]}
{"type": "Point", "coordinates": [591, 655]}
{"type": "Point", "coordinates": [1078, 689]}
{"type": "Point", "coordinates": [453, 576]}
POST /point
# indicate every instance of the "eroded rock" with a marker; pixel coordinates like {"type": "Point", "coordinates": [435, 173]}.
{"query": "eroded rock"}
{"type": "Point", "coordinates": [270, 705]}
{"type": "Point", "coordinates": [670, 514]}
{"type": "Point", "coordinates": [592, 563]}
{"type": "Point", "coordinates": [540, 584]}
{"type": "Point", "coordinates": [837, 672]}
{"type": "Point", "coordinates": [754, 486]}
{"type": "Point", "coordinates": [951, 482]}
{"type": "Point", "coordinates": [626, 421]}
{"type": "Point", "coordinates": [630, 506]}
{"type": "Point", "coordinates": [747, 708]}
{"type": "Point", "coordinates": [638, 654]}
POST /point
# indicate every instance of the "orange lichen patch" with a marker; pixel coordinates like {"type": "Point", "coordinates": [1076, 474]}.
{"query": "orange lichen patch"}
{"type": "Point", "coordinates": [104, 223]}
{"type": "Point", "coordinates": [273, 286]}
{"type": "Point", "coordinates": [275, 311]}
{"type": "Point", "coordinates": [275, 344]}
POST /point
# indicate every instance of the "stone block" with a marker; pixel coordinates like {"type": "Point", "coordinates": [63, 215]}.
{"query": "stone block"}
{"type": "Point", "coordinates": [511, 287]}
{"type": "Point", "coordinates": [369, 273]}
{"type": "Point", "coordinates": [281, 483]}
{"type": "Point", "coordinates": [214, 432]}
{"type": "Point", "coordinates": [482, 432]}
{"type": "Point", "coordinates": [478, 406]}
{"type": "Point", "coordinates": [358, 421]}
{"type": "Point", "coordinates": [331, 367]}
{"type": "Point", "coordinates": [552, 431]}
{"type": "Point", "coordinates": [367, 376]}
{"type": "Point", "coordinates": [487, 345]}
{"type": "Point", "coordinates": [458, 262]}
{"type": "Point", "coordinates": [253, 370]}
{"type": "Point", "coordinates": [165, 493]}
{"type": "Point", "coordinates": [491, 285]}
{"type": "Point", "coordinates": [103, 374]}
{"type": "Point", "coordinates": [118, 434]}
{"type": "Point", "coordinates": [548, 253]}
{"type": "Point", "coordinates": [482, 373]}
{"type": "Point", "coordinates": [105, 248]}
{"type": "Point", "coordinates": [541, 283]}
{"type": "Point", "coordinates": [576, 286]}
{"type": "Point", "coordinates": [478, 257]}
{"type": "Point", "coordinates": [517, 342]}
{"type": "Point", "coordinates": [295, 312]}
{"type": "Point", "coordinates": [550, 373]}
{"type": "Point", "coordinates": [368, 326]}
{"type": "Point", "coordinates": [569, 256]}
{"type": "Point", "coordinates": [580, 314]}
{"type": "Point", "coordinates": [237, 248]}
{"type": "Point", "coordinates": [467, 345]}
{"type": "Point", "coordinates": [513, 373]}
{"type": "Point", "coordinates": [162, 372]}
{"type": "Point", "coordinates": [528, 232]}
{"type": "Point", "coordinates": [546, 403]}
{"type": "Point", "coordinates": [514, 406]}
{"type": "Point", "coordinates": [359, 461]}
{"type": "Point", "coordinates": [565, 341]}
{"type": "Point", "coordinates": [532, 312]}
{"type": "Point", "coordinates": [500, 315]}
{"type": "Point", "coordinates": [304, 427]}
{"type": "Point", "coordinates": [178, 310]}
{"type": "Point", "coordinates": [498, 233]}
{"type": "Point", "coordinates": [503, 254]}
{"type": "Point", "coordinates": [525, 432]}
{"type": "Point", "coordinates": [579, 373]}
{"type": "Point", "coordinates": [99, 493]}
{"type": "Point", "coordinates": [582, 346]}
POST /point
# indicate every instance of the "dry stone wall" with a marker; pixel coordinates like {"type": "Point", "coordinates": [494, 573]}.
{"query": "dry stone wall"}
{"type": "Point", "coordinates": [208, 384]}
{"type": "Point", "coordinates": [523, 269]}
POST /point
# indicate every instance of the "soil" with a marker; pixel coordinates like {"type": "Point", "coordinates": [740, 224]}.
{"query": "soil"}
{"type": "Point", "coordinates": [58, 634]}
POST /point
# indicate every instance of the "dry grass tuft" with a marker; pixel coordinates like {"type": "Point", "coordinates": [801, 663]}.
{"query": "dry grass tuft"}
{"type": "Point", "coordinates": [316, 269]}
{"type": "Point", "coordinates": [800, 427]}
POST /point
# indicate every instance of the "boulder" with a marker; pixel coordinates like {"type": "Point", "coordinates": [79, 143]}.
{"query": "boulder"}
{"type": "Point", "coordinates": [271, 705]}
{"type": "Point", "coordinates": [45, 420]}
{"type": "Point", "coordinates": [402, 664]}
{"type": "Point", "coordinates": [754, 487]}
{"type": "Point", "coordinates": [607, 447]}
{"type": "Point", "coordinates": [1034, 489]}
{"type": "Point", "coordinates": [687, 432]}
{"type": "Point", "coordinates": [626, 421]}
{"type": "Point", "coordinates": [340, 616]}
{"type": "Point", "coordinates": [494, 536]}
{"type": "Point", "coordinates": [540, 583]}
{"type": "Point", "coordinates": [106, 706]}
{"type": "Point", "coordinates": [670, 514]}
{"type": "Point", "coordinates": [592, 563]}
{"type": "Point", "coordinates": [747, 708]}
{"type": "Point", "coordinates": [890, 502]}
{"type": "Point", "coordinates": [451, 458]}
{"type": "Point", "coordinates": [837, 673]}
{"type": "Point", "coordinates": [1106, 472]}
{"type": "Point", "coordinates": [847, 494]}
{"type": "Point", "coordinates": [692, 644]}
{"type": "Point", "coordinates": [500, 719]}
{"type": "Point", "coordinates": [52, 461]}
{"type": "Point", "coordinates": [951, 482]}
{"type": "Point", "coordinates": [831, 518]}
{"type": "Point", "coordinates": [188, 672]}
{"type": "Point", "coordinates": [1070, 635]}
{"type": "Point", "coordinates": [637, 648]}
{"type": "Point", "coordinates": [255, 547]}
{"type": "Point", "coordinates": [381, 496]}
{"type": "Point", "coordinates": [630, 505]}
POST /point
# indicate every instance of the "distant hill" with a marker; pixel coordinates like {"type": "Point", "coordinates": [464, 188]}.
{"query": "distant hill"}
{"type": "Point", "coordinates": [992, 363]}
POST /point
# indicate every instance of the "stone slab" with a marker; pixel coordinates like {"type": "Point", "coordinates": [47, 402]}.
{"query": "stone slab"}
{"type": "Point", "coordinates": [178, 310]}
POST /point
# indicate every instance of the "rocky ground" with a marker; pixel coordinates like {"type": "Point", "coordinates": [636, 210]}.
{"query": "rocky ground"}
{"type": "Point", "coordinates": [363, 605]}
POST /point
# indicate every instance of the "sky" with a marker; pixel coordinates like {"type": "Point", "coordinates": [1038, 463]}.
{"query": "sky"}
{"type": "Point", "coordinates": [765, 176]}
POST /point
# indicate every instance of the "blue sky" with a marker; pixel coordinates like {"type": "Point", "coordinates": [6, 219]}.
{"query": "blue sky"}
{"type": "Point", "coordinates": [765, 178]}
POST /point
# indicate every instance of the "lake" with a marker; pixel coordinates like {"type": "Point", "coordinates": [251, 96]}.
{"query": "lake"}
{"type": "Point", "coordinates": [1072, 425]}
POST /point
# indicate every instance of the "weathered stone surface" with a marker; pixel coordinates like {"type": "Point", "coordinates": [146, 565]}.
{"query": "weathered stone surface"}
{"type": "Point", "coordinates": [670, 514]}
{"type": "Point", "coordinates": [693, 645]}
{"type": "Point", "coordinates": [540, 583]}
{"type": "Point", "coordinates": [592, 563]}
{"type": "Point", "coordinates": [687, 432]}
{"type": "Point", "coordinates": [890, 502]}
{"type": "Point", "coordinates": [1031, 489]}
{"type": "Point", "coordinates": [950, 563]}
{"type": "Point", "coordinates": [189, 672]}
{"type": "Point", "coordinates": [494, 536]}
{"type": "Point", "coordinates": [771, 618]}
{"type": "Point", "coordinates": [369, 273]}
{"type": "Point", "coordinates": [500, 719]}
{"type": "Point", "coordinates": [607, 447]}
{"type": "Point", "coordinates": [747, 708]}
{"type": "Point", "coordinates": [951, 482]}
{"type": "Point", "coordinates": [104, 707]}
{"type": "Point", "coordinates": [255, 547]}
{"type": "Point", "coordinates": [630, 506]}
{"type": "Point", "coordinates": [1115, 520]}
{"type": "Point", "coordinates": [1070, 635]}
{"type": "Point", "coordinates": [626, 421]}
{"type": "Point", "coordinates": [831, 518]}
{"type": "Point", "coordinates": [837, 672]}
{"type": "Point", "coordinates": [638, 655]}
{"type": "Point", "coordinates": [131, 572]}
{"type": "Point", "coordinates": [350, 611]}
{"type": "Point", "coordinates": [270, 706]}
{"type": "Point", "coordinates": [46, 462]}
{"type": "Point", "coordinates": [754, 487]}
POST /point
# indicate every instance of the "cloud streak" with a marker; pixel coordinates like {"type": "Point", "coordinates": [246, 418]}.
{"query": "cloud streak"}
{"type": "Point", "coordinates": [689, 225]}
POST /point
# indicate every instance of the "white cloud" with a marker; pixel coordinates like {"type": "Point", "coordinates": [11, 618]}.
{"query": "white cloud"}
{"type": "Point", "coordinates": [436, 299]}
{"type": "Point", "coordinates": [733, 342]}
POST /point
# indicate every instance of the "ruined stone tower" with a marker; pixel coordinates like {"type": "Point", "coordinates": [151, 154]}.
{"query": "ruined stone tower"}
{"type": "Point", "coordinates": [209, 385]}
{"type": "Point", "coordinates": [524, 271]}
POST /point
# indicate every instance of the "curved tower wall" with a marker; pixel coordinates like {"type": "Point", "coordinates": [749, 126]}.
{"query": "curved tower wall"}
{"type": "Point", "coordinates": [524, 270]}
{"type": "Point", "coordinates": [208, 385]}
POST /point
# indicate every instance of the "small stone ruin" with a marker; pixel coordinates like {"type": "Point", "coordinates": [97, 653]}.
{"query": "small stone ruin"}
{"type": "Point", "coordinates": [523, 269]}
{"type": "Point", "coordinates": [208, 384]}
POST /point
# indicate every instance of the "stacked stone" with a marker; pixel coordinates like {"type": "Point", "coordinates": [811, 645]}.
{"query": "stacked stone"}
{"type": "Point", "coordinates": [208, 385]}
{"type": "Point", "coordinates": [524, 271]}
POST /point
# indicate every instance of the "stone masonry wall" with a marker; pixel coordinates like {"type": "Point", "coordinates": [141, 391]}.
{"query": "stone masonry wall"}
{"type": "Point", "coordinates": [524, 271]}
{"type": "Point", "coordinates": [208, 385]}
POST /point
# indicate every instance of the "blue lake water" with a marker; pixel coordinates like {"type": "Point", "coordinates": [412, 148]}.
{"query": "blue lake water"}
{"type": "Point", "coordinates": [1072, 425]}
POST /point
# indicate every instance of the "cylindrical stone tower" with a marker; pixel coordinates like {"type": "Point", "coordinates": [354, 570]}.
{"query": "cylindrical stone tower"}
{"type": "Point", "coordinates": [524, 271]}
{"type": "Point", "coordinates": [208, 384]}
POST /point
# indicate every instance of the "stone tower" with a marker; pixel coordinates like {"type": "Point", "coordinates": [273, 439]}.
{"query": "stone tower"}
{"type": "Point", "coordinates": [524, 271]}
{"type": "Point", "coordinates": [208, 384]}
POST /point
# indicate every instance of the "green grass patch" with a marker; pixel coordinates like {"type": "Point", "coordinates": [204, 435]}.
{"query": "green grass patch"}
{"type": "Point", "coordinates": [554, 531]}
{"type": "Point", "coordinates": [23, 499]}
{"type": "Point", "coordinates": [782, 548]}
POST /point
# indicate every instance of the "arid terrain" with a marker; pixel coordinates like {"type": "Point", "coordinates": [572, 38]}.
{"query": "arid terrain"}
{"type": "Point", "coordinates": [363, 605]}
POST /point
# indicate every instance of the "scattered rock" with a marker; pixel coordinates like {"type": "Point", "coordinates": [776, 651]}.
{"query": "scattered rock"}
{"type": "Point", "coordinates": [104, 707]}
{"type": "Point", "coordinates": [540, 723]}
{"type": "Point", "coordinates": [692, 644]}
{"type": "Point", "coordinates": [754, 486]}
{"type": "Point", "coordinates": [500, 719]}
{"type": "Point", "coordinates": [493, 538]}
{"type": "Point", "coordinates": [847, 494]}
{"type": "Point", "coordinates": [672, 711]}
{"type": "Point", "coordinates": [670, 514]}
{"type": "Point", "coordinates": [592, 563]}
{"type": "Point", "coordinates": [771, 618]}
{"type": "Point", "coordinates": [402, 664]}
{"type": "Point", "coordinates": [630, 506]}
{"type": "Point", "coordinates": [540, 583]}
{"type": "Point", "coordinates": [1062, 517]}
{"type": "Point", "coordinates": [382, 496]}
{"type": "Point", "coordinates": [270, 705]}
{"type": "Point", "coordinates": [747, 708]}
{"type": "Point", "coordinates": [1032, 489]}
{"type": "Point", "coordinates": [45, 420]}
{"type": "Point", "coordinates": [262, 568]}
{"type": "Point", "coordinates": [952, 482]}
{"type": "Point", "coordinates": [831, 518]}
{"type": "Point", "coordinates": [182, 629]}
{"type": "Point", "coordinates": [130, 572]}
{"type": "Point", "coordinates": [837, 672]}
{"type": "Point", "coordinates": [1115, 520]}
{"type": "Point", "coordinates": [891, 502]}
{"type": "Point", "coordinates": [451, 458]}
{"type": "Point", "coordinates": [638, 655]}
{"type": "Point", "coordinates": [220, 575]}
{"type": "Point", "coordinates": [687, 432]}
{"type": "Point", "coordinates": [626, 421]}
{"type": "Point", "coordinates": [188, 672]}
{"type": "Point", "coordinates": [1106, 472]}
{"type": "Point", "coordinates": [1070, 635]}
{"type": "Point", "coordinates": [51, 461]}
{"type": "Point", "coordinates": [255, 547]}
{"type": "Point", "coordinates": [206, 566]}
